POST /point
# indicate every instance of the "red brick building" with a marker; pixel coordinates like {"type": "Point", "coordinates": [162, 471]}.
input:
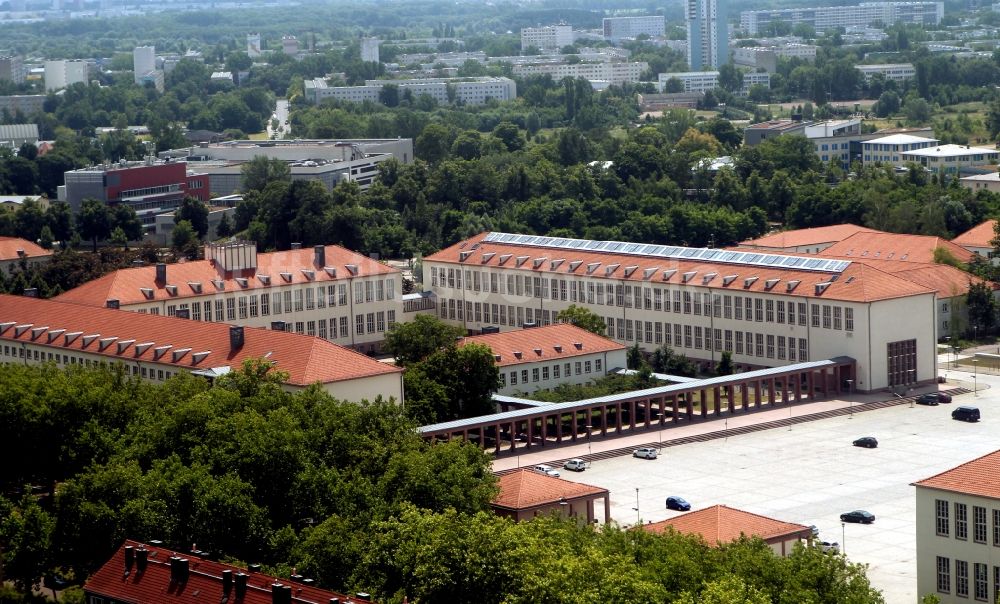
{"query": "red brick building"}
{"type": "Point", "coordinates": [525, 494]}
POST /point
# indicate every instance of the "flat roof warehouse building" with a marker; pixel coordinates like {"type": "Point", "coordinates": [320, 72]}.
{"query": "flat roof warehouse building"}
{"type": "Point", "coordinates": [766, 309]}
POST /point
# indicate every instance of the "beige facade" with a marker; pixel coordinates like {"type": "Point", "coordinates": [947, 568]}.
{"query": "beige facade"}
{"type": "Point", "coordinates": [958, 546]}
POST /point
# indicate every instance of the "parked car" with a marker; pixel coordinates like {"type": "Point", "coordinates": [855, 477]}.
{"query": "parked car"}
{"type": "Point", "coordinates": [645, 453]}
{"type": "Point", "coordinates": [576, 465]}
{"type": "Point", "coordinates": [966, 414]}
{"type": "Point", "coordinates": [868, 442]}
{"type": "Point", "coordinates": [829, 546]}
{"type": "Point", "coordinates": [678, 503]}
{"type": "Point", "coordinates": [549, 470]}
{"type": "Point", "coordinates": [860, 516]}
{"type": "Point", "coordinates": [933, 398]}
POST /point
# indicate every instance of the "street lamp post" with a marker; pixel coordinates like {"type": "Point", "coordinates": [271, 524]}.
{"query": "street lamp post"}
{"type": "Point", "coordinates": [636, 508]}
{"type": "Point", "coordinates": [850, 396]}
{"type": "Point", "coordinates": [913, 380]}
{"type": "Point", "coordinates": [659, 436]}
{"type": "Point", "coordinates": [589, 429]}
{"type": "Point", "coordinates": [975, 377]}
{"type": "Point", "coordinates": [843, 537]}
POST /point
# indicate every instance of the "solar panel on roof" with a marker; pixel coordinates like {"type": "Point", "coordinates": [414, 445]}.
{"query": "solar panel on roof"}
{"type": "Point", "coordinates": [671, 251]}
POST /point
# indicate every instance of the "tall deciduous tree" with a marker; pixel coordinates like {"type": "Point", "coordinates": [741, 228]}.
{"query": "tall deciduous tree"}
{"type": "Point", "coordinates": [583, 318]}
{"type": "Point", "coordinates": [417, 339]}
{"type": "Point", "coordinates": [94, 220]}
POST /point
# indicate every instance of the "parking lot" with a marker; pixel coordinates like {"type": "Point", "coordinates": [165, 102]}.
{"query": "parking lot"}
{"type": "Point", "coordinates": [811, 473]}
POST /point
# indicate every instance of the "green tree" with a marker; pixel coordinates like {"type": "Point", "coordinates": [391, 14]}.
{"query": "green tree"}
{"type": "Point", "coordinates": [262, 170]}
{"type": "Point", "coordinates": [195, 212]}
{"type": "Point", "coordinates": [118, 237]}
{"type": "Point", "coordinates": [26, 532]}
{"type": "Point", "coordinates": [224, 228]}
{"type": "Point", "coordinates": [468, 376]}
{"type": "Point", "coordinates": [725, 364]}
{"type": "Point", "coordinates": [124, 217]}
{"type": "Point", "coordinates": [94, 220]}
{"type": "Point", "coordinates": [417, 339]}
{"type": "Point", "coordinates": [582, 317]}
{"type": "Point", "coordinates": [509, 134]}
{"type": "Point", "coordinates": [434, 143]}
{"type": "Point", "coordinates": [982, 307]}
{"type": "Point", "coordinates": [184, 240]}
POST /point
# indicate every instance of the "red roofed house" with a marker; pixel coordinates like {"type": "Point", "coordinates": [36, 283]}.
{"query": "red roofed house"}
{"type": "Point", "coordinates": [723, 524]}
{"type": "Point", "coordinates": [766, 309]}
{"type": "Point", "coordinates": [804, 241]}
{"type": "Point", "coordinates": [14, 249]}
{"type": "Point", "coordinates": [877, 245]}
{"type": "Point", "coordinates": [156, 347]}
{"type": "Point", "coordinates": [151, 574]}
{"type": "Point", "coordinates": [325, 291]}
{"type": "Point", "coordinates": [958, 532]}
{"type": "Point", "coordinates": [525, 494]}
{"type": "Point", "coordinates": [977, 239]}
{"type": "Point", "coordinates": [544, 357]}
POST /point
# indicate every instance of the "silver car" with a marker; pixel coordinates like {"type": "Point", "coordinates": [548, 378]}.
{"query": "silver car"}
{"type": "Point", "coordinates": [548, 470]}
{"type": "Point", "coordinates": [645, 453]}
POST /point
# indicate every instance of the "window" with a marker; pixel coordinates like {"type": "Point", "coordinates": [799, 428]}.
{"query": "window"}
{"type": "Point", "coordinates": [243, 307]}
{"type": "Point", "coordinates": [298, 300]}
{"type": "Point", "coordinates": [781, 347]}
{"type": "Point", "coordinates": [781, 311]}
{"type": "Point", "coordinates": [254, 310]}
{"type": "Point", "coordinates": [759, 344]}
{"type": "Point", "coordinates": [727, 307]}
{"type": "Point", "coordinates": [739, 342]}
{"type": "Point", "coordinates": [941, 523]}
{"type": "Point", "coordinates": [802, 314]}
{"type": "Point", "coordinates": [961, 521]}
{"type": "Point", "coordinates": [738, 307]}
{"type": "Point", "coordinates": [534, 374]}
{"type": "Point", "coordinates": [815, 315]}
{"type": "Point", "coordinates": [322, 328]}
{"type": "Point", "coordinates": [697, 304]}
{"type": "Point", "coordinates": [978, 524]}
{"type": "Point", "coordinates": [961, 578]}
{"type": "Point", "coordinates": [555, 371]}
{"type": "Point", "coordinates": [342, 295]}
{"type": "Point", "coordinates": [758, 307]}
{"type": "Point", "coordinates": [688, 342]}
{"type": "Point", "coordinates": [311, 328]}
{"type": "Point", "coordinates": [996, 528]}
{"type": "Point", "coordinates": [597, 365]}
{"type": "Point", "coordinates": [299, 327]}
{"type": "Point", "coordinates": [524, 376]}
{"type": "Point", "coordinates": [288, 301]}
{"type": "Point", "coordinates": [837, 320]}
{"type": "Point", "coordinates": [587, 367]}
{"type": "Point", "coordinates": [380, 321]}
{"type": "Point", "coordinates": [578, 366]}
{"type": "Point", "coordinates": [943, 575]}
{"type": "Point", "coordinates": [359, 325]}
{"type": "Point", "coordinates": [902, 362]}
{"type": "Point", "coordinates": [677, 301]}
{"type": "Point", "coordinates": [849, 319]}
{"type": "Point", "coordinates": [826, 316]}
{"type": "Point", "coordinates": [687, 303]}
{"type": "Point", "coordinates": [344, 331]}
{"type": "Point", "coordinates": [658, 329]}
{"type": "Point", "coordinates": [770, 346]}
{"type": "Point", "coordinates": [769, 309]}
{"type": "Point", "coordinates": [230, 309]}
{"type": "Point", "coordinates": [513, 378]}
{"type": "Point", "coordinates": [310, 300]}
{"type": "Point", "coordinates": [545, 373]}
{"type": "Point", "coordinates": [980, 574]}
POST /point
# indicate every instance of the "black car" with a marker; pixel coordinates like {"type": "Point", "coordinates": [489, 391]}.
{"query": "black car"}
{"type": "Point", "coordinates": [678, 503]}
{"type": "Point", "coordinates": [858, 516]}
{"type": "Point", "coordinates": [868, 442]}
{"type": "Point", "coordinates": [933, 398]}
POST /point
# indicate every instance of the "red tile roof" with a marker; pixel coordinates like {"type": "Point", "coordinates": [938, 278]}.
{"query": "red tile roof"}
{"type": "Point", "coordinates": [203, 585]}
{"type": "Point", "coordinates": [10, 246]}
{"type": "Point", "coordinates": [947, 280]}
{"type": "Point", "coordinates": [980, 477]}
{"type": "Point", "coordinates": [528, 489]}
{"type": "Point", "coordinates": [978, 236]}
{"type": "Point", "coordinates": [802, 237]}
{"type": "Point", "coordinates": [723, 524]}
{"type": "Point", "coordinates": [895, 246]}
{"type": "Point", "coordinates": [124, 285]}
{"type": "Point", "coordinates": [307, 359]}
{"type": "Point", "coordinates": [857, 283]}
{"type": "Point", "coordinates": [540, 344]}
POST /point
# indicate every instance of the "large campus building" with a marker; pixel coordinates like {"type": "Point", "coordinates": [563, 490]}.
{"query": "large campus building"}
{"type": "Point", "coordinates": [325, 291]}
{"type": "Point", "coordinates": [765, 309]}
{"type": "Point", "coordinates": [155, 348]}
{"type": "Point", "coordinates": [617, 29]}
{"type": "Point", "coordinates": [469, 91]}
{"type": "Point", "coordinates": [822, 18]}
{"type": "Point", "coordinates": [548, 38]}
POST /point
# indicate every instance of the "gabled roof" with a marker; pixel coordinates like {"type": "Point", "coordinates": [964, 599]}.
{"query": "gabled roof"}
{"type": "Point", "coordinates": [947, 280]}
{"type": "Point", "coordinates": [894, 246]}
{"type": "Point", "coordinates": [528, 489]}
{"type": "Point", "coordinates": [18, 131]}
{"type": "Point", "coordinates": [12, 248]}
{"type": "Point", "coordinates": [191, 345]}
{"type": "Point", "coordinates": [723, 524]}
{"type": "Point", "coordinates": [801, 237]}
{"type": "Point", "coordinates": [851, 282]}
{"type": "Point", "coordinates": [560, 341]}
{"type": "Point", "coordinates": [125, 285]}
{"type": "Point", "coordinates": [204, 583]}
{"type": "Point", "coordinates": [981, 234]}
{"type": "Point", "coordinates": [980, 477]}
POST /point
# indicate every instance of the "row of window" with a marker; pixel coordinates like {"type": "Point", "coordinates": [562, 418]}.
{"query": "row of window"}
{"type": "Point", "coordinates": [11, 353]}
{"type": "Point", "coordinates": [980, 530]}
{"type": "Point", "coordinates": [657, 299]}
{"type": "Point", "coordinates": [556, 371]}
{"type": "Point", "coordinates": [979, 579]}
{"type": "Point", "coordinates": [337, 327]}
{"type": "Point", "coordinates": [676, 335]}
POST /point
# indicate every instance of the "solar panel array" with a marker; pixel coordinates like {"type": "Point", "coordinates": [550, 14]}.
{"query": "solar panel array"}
{"type": "Point", "coordinates": [748, 258]}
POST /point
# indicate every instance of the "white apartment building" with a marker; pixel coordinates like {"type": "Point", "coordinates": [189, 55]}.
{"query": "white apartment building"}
{"type": "Point", "coordinates": [290, 45]}
{"type": "Point", "coordinates": [622, 28]}
{"type": "Point", "coordinates": [890, 149]}
{"type": "Point", "coordinates": [982, 182]}
{"type": "Point", "coordinates": [369, 50]}
{"type": "Point", "coordinates": [254, 48]}
{"type": "Point", "coordinates": [548, 38]}
{"type": "Point", "coordinates": [143, 60]}
{"type": "Point", "coordinates": [155, 348]}
{"type": "Point", "coordinates": [958, 532]}
{"type": "Point", "coordinates": [766, 309]}
{"type": "Point", "coordinates": [833, 140]}
{"type": "Point", "coordinates": [470, 91]}
{"type": "Point", "coordinates": [703, 81]}
{"type": "Point", "coordinates": [951, 159]}
{"type": "Point", "coordinates": [539, 358]}
{"type": "Point", "coordinates": [707, 34]}
{"type": "Point", "coordinates": [61, 74]}
{"type": "Point", "coordinates": [326, 291]}
{"type": "Point", "coordinates": [766, 57]}
{"type": "Point", "coordinates": [616, 73]}
{"type": "Point", "coordinates": [862, 15]}
{"type": "Point", "coordinates": [897, 72]}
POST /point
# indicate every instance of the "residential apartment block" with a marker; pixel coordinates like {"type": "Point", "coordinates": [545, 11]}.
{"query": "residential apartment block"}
{"type": "Point", "coordinates": [25, 104]}
{"type": "Point", "coordinates": [326, 291]}
{"type": "Point", "coordinates": [707, 34]}
{"type": "Point", "coordinates": [890, 149]}
{"type": "Point", "coordinates": [622, 28]}
{"type": "Point", "coordinates": [766, 57]}
{"type": "Point", "coordinates": [766, 309]}
{"type": "Point", "coordinates": [155, 348]}
{"type": "Point", "coordinates": [12, 68]}
{"type": "Point", "coordinates": [470, 91]}
{"type": "Point", "coordinates": [952, 159]}
{"type": "Point", "coordinates": [538, 358]}
{"type": "Point", "coordinates": [897, 72]}
{"type": "Point", "coordinates": [548, 38]}
{"type": "Point", "coordinates": [827, 17]}
{"type": "Point", "coordinates": [615, 73]}
{"type": "Point", "coordinates": [958, 532]}
{"type": "Point", "coordinates": [703, 81]}
{"type": "Point", "coordinates": [62, 74]}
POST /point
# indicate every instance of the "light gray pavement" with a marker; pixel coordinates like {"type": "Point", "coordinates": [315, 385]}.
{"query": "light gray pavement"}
{"type": "Point", "coordinates": [807, 473]}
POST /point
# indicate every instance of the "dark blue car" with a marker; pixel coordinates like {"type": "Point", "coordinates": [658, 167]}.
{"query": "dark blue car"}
{"type": "Point", "coordinates": [678, 503]}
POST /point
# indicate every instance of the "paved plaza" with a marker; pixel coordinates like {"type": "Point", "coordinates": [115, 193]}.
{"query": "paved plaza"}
{"type": "Point", "coordinates": [808, 473]}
